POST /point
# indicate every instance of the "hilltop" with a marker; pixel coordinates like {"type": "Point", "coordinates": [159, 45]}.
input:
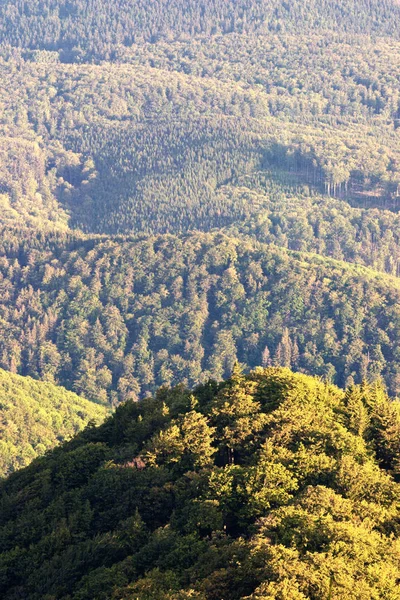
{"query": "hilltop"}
{"type": "Point", "coordinates": [271, 485]}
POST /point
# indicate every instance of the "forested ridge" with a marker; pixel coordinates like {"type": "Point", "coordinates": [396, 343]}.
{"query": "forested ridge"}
{"type": "Point", "coordinates": [271, 485]}
{"type": "Point", "coordinates": [94, 30]}
{"type": "Point", "coordinates": [114, 319]}
{"type": "Point", "coordinates": [35, 416]}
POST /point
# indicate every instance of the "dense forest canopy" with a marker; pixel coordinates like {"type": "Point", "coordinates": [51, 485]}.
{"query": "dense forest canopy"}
{"type": "Point", "coordinates": [96, 28]}
{"type": "Point", "coordinates": [190, 189]}
{"type": "Point", "coordinates": [147, 143]}
{"type": "Point", "coordinates": [114, 319]}
{"type": "Point", "coordinates": [35, 416]}
{"type": "Point", "coordinates": [266, 486]}
{"type": "Point", "coordinates": [187, 184]}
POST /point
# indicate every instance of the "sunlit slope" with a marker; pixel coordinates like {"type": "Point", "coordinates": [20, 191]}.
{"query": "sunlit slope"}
{"type": "Point", "coordinates": [148, 141]}
{"type": "Point", "coordinates": [35, 416]}
{"type": "Point", "coordinates": [272, 485]}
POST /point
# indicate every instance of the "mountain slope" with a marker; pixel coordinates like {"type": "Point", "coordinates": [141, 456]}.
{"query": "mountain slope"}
{"type": "Point", "coordinates": [272, 485]}
{"type": "Point", "coordinates": [116, 318]}
{"type": "Point", "coordinates": [35, 416]}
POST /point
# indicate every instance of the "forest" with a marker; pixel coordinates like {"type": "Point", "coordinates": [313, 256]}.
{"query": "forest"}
{"type": "Point", "coordinates": [192, 198]}
{"type": "Point", "coordinates": [199, 300]}
{"type": "Point", "coordinates": [271, 485]}
{"type": "Point", "coordinates": [113, 319]}
{"type": "Point", "coordinates": [35, 416]}
{"type": "Point", "coordinates": [90, 31]}
{"type": "Point", "coordinates": [158, 139]}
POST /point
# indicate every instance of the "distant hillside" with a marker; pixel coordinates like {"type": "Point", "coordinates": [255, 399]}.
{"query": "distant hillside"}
{"type": "Point", "coordinates": [149, 140]}
{"type": "Point", "coordinates": [35, 416]}
{"type": "Point", "coordinates": [148, 143]}
{"type": "Point", "coordinates": [272, 486]}
{"type": "Point", "coordinates": [114, 319]}
{"type": "Point", "coordinates": [98, 28]}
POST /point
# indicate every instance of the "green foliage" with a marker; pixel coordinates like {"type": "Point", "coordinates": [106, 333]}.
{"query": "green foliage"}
{"type": "Point", "coordinates": [35, 416]}
{"type": "Point", "coordinates": [151, 506]}
{"type": "Point", "coordinates": [272, 122]}
{"type": "Point", "coordinates": [251, 151]}
{"type": "Point", "coordinates": [115, 319]}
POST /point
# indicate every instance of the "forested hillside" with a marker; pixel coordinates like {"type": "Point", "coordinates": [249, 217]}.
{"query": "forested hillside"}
{"type": "Point", "coordinates": [113, 319]}
{"type": "Point", "coordinates": [149, 140]}
{"type": "Point", "coordinates": [187, 184]}
{"type": "Point", "coordinates": [266, 486]}
{"type": "Point", "coordinates": [94, 30]}
{"type": "Point", "coordinates": [35, 416]}
{"type": "Point", "coordinates": [190, 189]}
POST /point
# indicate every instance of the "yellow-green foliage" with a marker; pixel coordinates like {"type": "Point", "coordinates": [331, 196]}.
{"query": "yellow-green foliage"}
{"type": "Point", "coordinates": [35, 416]}
{"type": "Point", "coordinates": [269, 486]}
